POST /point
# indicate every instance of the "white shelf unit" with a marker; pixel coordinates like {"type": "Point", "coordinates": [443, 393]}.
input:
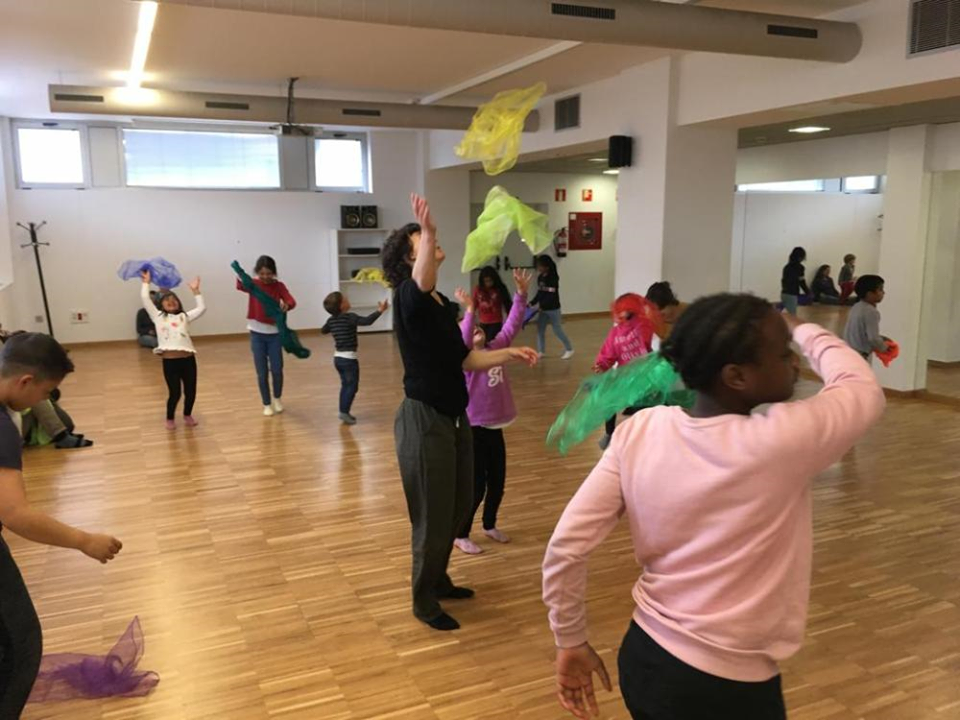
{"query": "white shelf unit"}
{"type": "Point", "coordinates": [363, 296]}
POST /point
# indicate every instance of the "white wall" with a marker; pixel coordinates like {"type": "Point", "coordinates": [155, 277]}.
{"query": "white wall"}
{"type": "Point", "coordinates": [767, 226]}
{"type": "Point", "coordinates": [942, 303]}
{"type": "Point", "coordinates": [586, 276]}
{"type": "Point", "coordinates": [828, 158]}
{"type": "Point", "coordinates": [93, 231]}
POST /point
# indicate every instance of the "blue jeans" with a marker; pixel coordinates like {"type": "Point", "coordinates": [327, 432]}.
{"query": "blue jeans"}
{"type": "Point", "coordinates": [553, 318]}
{"type": "Point", "coordinates": [349, 381]}
{"type": "Point", "coordinates": [267, 355]}
{"type": "Point", "coordinates": [789, 303]}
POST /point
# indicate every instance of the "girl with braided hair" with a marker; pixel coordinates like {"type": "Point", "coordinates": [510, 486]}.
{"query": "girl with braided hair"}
{"type": "Point", "coordinates": [719, 503]}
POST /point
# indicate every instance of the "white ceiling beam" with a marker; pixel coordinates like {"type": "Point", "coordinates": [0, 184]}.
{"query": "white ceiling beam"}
{"type": "Point", "coordinates": [511, 67]}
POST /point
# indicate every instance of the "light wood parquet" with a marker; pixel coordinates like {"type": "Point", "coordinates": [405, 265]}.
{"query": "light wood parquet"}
{"type": "Point", "coordinates": [268, 558]}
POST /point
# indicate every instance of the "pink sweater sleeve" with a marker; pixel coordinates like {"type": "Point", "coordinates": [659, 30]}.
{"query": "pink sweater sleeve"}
{"type": "Point", "coordinates": [607, 357]}
{"type": "Point", "coordinates": [588, 519]}
{"type": "Point", "coordinates": [512, 326]}
{"type": "Point", "coordinates": [813, 434]}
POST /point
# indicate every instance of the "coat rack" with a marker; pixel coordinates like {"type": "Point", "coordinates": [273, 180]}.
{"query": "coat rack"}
{"type": "Point", "coordinates": [35, 244]}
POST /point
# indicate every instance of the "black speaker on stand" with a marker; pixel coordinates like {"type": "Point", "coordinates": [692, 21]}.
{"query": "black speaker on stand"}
{"type": "Point", "coordinates": [350, 217]}
{"type": "Point", "coordinates": [620, 152]}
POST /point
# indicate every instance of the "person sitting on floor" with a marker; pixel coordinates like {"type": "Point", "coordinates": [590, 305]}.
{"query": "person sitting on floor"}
{"type": "Point", "coordinates": [146, 330]}
{"type": "Point", "coordinates": [47, 422]}
{"type": "Point", "coordinates": [823, 289]}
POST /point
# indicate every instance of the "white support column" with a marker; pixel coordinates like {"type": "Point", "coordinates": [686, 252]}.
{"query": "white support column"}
{"type": "Point", "coordinates": [676, 202]}
{"type": "Point", "coordinates": [903, 248]}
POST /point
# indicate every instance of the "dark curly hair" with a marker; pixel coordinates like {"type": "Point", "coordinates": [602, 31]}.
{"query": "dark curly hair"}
{"type": "Point", "coordinates": [396, 250]}
{"type": "Point", "coordinates": [715, 331]}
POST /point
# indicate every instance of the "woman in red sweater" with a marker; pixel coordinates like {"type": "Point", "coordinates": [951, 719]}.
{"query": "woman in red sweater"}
{"type": "Point", "coordinates": [492, 301]}
{"type": "Point", "coordinates": [264, 337]}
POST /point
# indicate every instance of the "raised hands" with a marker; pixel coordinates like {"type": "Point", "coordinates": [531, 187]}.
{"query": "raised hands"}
{"type": "Point", "coordinates": [145, 274]}
{"type": "Point", "coordinates": [194, 286]}
{"type": "Point", "coordinates": [521, 279]}
{"type": "Point", "coordinates": [463, 297]}
{"type": "Point", "coordinates": [421, 211]}
{"type": "Point", "coordinates": [383, 305]}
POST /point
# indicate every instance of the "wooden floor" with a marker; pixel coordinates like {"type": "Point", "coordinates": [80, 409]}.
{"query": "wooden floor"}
{"type": "Point", "coordinates": [268, 558]}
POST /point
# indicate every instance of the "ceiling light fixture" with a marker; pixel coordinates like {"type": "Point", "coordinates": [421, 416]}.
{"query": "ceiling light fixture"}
{"type": "Point", "coordinates": [611, 172]}
{"type": "Point", "coordinates": [809, 129]}
{"type": "Point", "coordinates": [141, 45]}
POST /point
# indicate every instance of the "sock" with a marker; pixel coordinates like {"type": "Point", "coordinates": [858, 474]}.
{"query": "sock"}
{"type": "Point", "coordinates": [443, 622]}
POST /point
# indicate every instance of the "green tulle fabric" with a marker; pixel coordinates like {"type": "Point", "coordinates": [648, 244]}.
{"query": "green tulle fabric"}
{"type": "Point", "coordinates": [502, 215]}
{"type": "Point", "coordinates": [288, 337]}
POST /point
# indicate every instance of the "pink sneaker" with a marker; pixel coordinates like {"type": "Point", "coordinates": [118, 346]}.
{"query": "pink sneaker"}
{"type": "Point", "coordinates": [468, 546]}
{"type": "Point", "coordinates": [171, 425]}
{"type": "Point", "coordinates": [189, 421]}
{"type": "Point", "coordinates": [498, 535]}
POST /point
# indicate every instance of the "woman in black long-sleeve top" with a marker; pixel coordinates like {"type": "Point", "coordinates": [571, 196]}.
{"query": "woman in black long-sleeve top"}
{"type": "Point", "coordinates": [793, 281]}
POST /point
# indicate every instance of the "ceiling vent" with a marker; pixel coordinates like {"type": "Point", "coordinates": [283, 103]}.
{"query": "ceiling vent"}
{"type": "Point", "coordinates": [934, 25]}
{"type": "Point", "coordinates": [567, 113]}
{"type": "Point", "coordinates": [583, 11]}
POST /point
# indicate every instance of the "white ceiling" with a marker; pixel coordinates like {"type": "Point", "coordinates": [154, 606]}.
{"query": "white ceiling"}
{"type": "Point", "coordinates": [196, 48]}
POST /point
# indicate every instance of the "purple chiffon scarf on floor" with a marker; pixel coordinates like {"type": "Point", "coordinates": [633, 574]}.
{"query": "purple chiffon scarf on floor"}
{"type": "Point", "coordinates": [68, 676]}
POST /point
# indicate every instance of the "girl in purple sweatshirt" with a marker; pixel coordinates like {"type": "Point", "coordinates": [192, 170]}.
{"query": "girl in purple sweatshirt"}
{"type": "Point", "coordinates": [490, 410]}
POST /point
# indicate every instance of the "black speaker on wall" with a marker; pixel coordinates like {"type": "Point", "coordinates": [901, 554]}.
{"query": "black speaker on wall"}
{"type": "Point", "coordinates": [620, 152]}
{"type": "Point", "coordinates": [350, 218]}
{"type": "Point", "coordinates": [369, 217]}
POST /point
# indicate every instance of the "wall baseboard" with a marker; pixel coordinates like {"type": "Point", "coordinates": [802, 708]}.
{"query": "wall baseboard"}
{"type": "Point", "coordinates": [943, 364]}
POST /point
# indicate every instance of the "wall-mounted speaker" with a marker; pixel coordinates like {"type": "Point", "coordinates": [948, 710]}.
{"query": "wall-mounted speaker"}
{"type": "Point", "coordinates": [620, 151]}
{"type": "Point", "coordinates": [369, 217]}
{"type": "Point", "coordinates": [350, 217]}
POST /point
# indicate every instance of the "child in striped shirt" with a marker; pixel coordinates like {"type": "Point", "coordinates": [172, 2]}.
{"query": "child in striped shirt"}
{"type": "Point", "coordinates": [343, 326]}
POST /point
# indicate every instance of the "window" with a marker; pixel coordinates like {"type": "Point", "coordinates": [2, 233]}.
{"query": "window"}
{"type": "Point", "coordinates": [211, 160]}
{"type": "Point", "coordinates": [340, 163]}
{"type": "Point", "coordinates": [50, 156]}
{"type": "Point", "coordinates": [861, 184]}
{"type": "Point", "coordinates": [790, 186]}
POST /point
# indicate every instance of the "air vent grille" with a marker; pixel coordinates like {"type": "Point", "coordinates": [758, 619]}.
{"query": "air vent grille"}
{"type": "Point", "coordinates": [73, 97]}
{"type": "Point", "coordinates": [934, 25]}
{"type": "Point", "coordinates": [218, 105]}
{"type": "Point", "coordinates": [567, 113]}
{"type": "Point", "coordinates": [793, 31]}
{"type": "Point", "coordinates": [583, 11]}
{"type": "Point", "coordinates": [362, 112]}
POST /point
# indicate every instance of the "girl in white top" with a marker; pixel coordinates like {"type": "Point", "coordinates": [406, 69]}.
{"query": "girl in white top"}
{"type": "Point", "coordinates": [175, 346]}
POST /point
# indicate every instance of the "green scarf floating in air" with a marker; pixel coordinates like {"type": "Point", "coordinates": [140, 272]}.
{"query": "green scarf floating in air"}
{"type": "Point", "coordinates": [647, 381]}
{"type": "Point", "coordinates": [288, 337]}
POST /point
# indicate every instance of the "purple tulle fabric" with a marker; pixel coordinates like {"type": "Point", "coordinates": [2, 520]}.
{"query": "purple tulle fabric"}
{"type": "Point", "coordinates": [163, 274]}
{"type": "Point", "coordinates": [67, 676]}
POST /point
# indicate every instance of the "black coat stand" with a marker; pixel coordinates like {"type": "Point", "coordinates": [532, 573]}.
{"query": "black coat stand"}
{"type": "Point", "coordinates": [35, 244]}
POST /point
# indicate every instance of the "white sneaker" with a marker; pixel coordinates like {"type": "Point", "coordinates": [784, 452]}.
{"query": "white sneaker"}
{"type": "Point", "coordinates": [277, 406]}
{"type": "Point", "coordinates": [567, 355]}
{"type": "Point", "coordinates": [268, 411]}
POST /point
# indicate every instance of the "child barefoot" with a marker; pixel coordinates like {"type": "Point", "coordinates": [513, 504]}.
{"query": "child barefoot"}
{"type": "Point", "coordinates": [635, 321]}
{"type": "Point", "coordinates": [490, 410]}
{"type": "Point", "coordinates": [343, 326]}
{"type": "Point", "coordinates": [719, 505]}
{"type": "Point", "coordinates": [31, 367]}
{"type": "Point", "coordinates": [175, 346]}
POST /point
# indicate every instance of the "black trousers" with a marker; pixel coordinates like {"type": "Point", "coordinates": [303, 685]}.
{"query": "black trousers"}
{"type": "Point", "coordinates": [21, 642]}
{"type": "Point", "coordinates": [435, 454]}
{"type": "Point", "coordinates": [489, 477]}
{"type": "Point", "coordinates": [491, 330]}
{"type": "Point", "coordinates": [657, 686]}
{"type": "Point", "coordinates": [177, 372]}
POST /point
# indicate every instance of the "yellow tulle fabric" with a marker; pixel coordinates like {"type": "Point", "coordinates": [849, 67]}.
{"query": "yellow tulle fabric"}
{"type": "Point", "coordinates": [371, 275]}
{"type": "Point", "coordinates": [503, 214]}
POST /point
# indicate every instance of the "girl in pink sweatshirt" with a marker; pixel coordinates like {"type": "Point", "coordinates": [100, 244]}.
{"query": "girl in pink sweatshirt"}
{"type": "Point", "coordinates": [490, 410]}
{"type": "Point", "coordinates": [719, 505]}
{"type": "Point", "coordinates": [635, 321]}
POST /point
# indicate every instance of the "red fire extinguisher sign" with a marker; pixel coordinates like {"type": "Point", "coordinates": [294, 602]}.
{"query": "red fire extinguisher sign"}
{"type": "Point", "coordinates": [560, 195]}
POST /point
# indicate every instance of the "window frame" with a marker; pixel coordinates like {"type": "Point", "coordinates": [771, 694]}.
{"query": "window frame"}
{"type": "Point", "coordinates": [752, 187]}
{"type": "Point", "coordinates": [875, 190]}
{"type": "Point", "coordinates": [81, 128]}
{"type": "Point", "coordinates": [364, 139]}
{"type": "Point", "coordinates": [192, 128]}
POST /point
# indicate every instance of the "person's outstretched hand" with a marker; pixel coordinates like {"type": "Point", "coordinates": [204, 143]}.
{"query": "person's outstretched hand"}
{"type": "Point", "coordinates": [463, 297]}
{"type": "Point", "coordinates": [195, 286]}
{"type": "Point", "coordinates": [100, 547]}
{"type": "Point", "coordinates": [792, 321]}
{"type": "Point", "coordinates": [525, 355]}
{"type": "Point", "coordinates": [383, 305]}
{"type": "Point", "coordinates": [145, 274]}
{"type": "Point", "coordinates": [575, 668]}
{"type": "Point", "coordinates": [521, 279]}
{"type": "Point", "coordinates": [421, 211]}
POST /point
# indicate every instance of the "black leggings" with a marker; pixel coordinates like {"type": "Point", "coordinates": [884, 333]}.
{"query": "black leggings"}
{"type": "Point", "coordinates": [489, 477]}
{"type": "Point", "coordinates": [175, 372]}
{"type": "Point", "coordinates": [612, 422]}
{"type": "Point", "coordinates": [21, 642]}
{"type": "Point", "coordinates": [657, 686]}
